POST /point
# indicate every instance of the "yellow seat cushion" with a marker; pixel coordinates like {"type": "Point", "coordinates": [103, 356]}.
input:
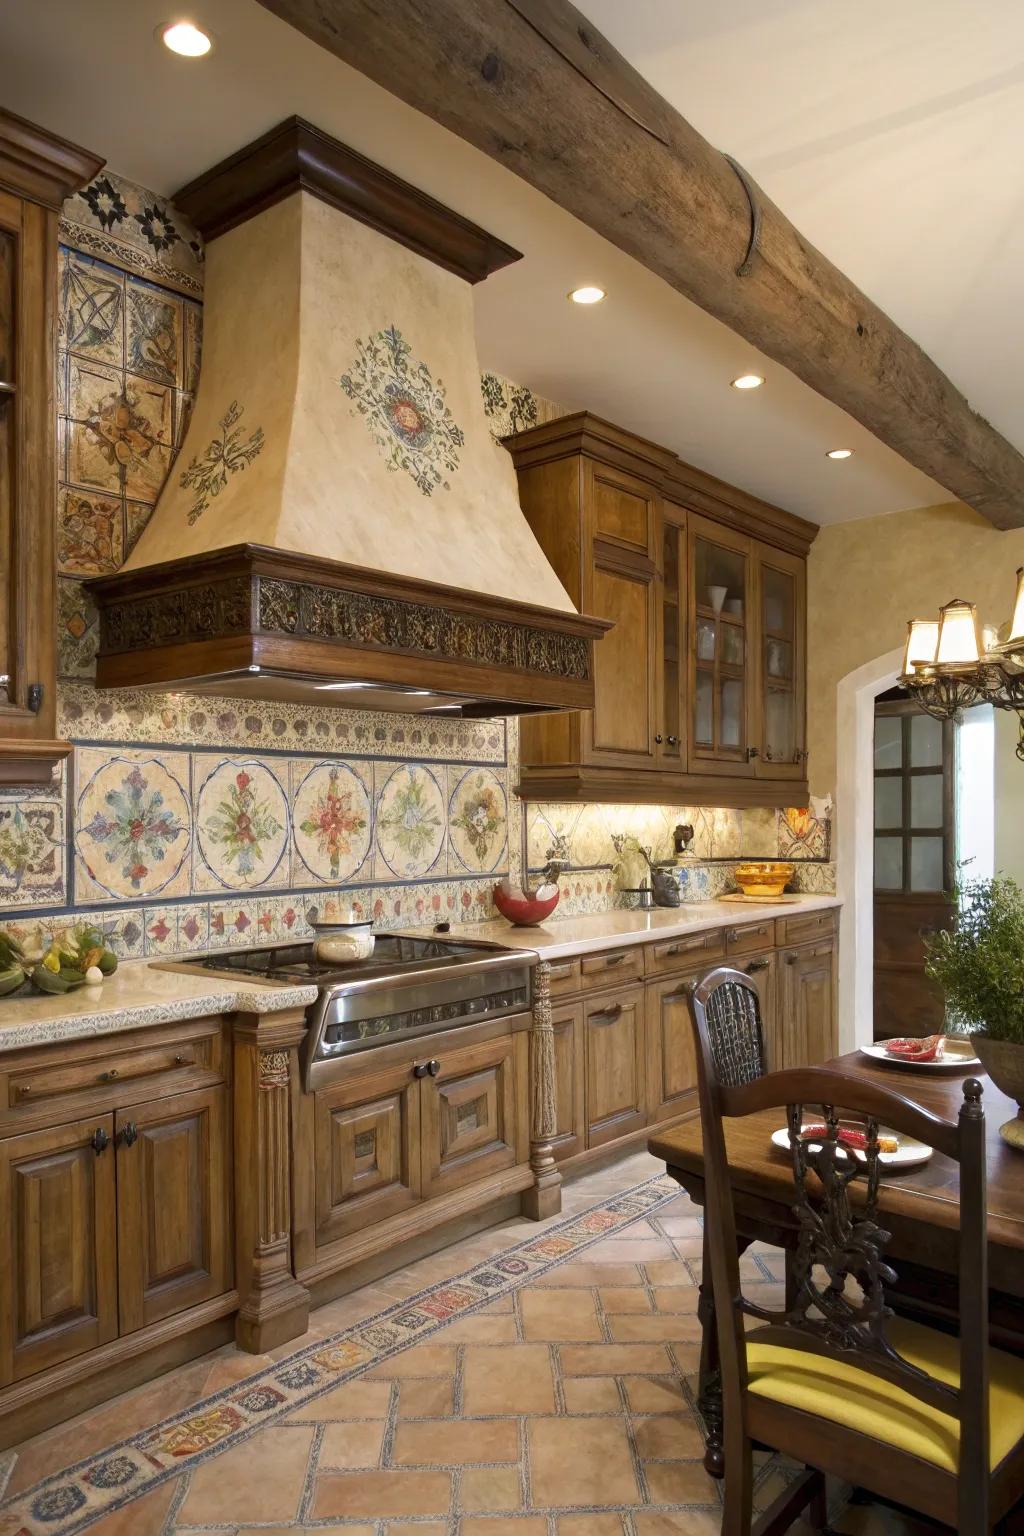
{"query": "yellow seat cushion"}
{"type": "Point", "coordinates": [831, 1389]}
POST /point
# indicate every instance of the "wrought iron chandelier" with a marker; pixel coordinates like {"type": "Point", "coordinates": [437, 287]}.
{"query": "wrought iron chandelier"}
{"type": "Point", "coordinates": [949, 665]}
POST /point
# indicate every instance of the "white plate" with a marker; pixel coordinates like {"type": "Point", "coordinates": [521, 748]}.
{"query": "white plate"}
{"type": "Point", "coordinates": [911, 1153]}
{"type": "Point", "coordinates": [957, 1056]}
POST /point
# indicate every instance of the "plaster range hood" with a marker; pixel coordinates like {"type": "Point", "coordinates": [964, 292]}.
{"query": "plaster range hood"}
{"type": "Point", "coordinates": [339, 525]}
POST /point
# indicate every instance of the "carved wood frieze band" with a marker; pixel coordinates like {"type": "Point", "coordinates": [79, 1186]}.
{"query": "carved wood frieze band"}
{"type": "Point", "coordinates": [332, 613]}
{"type": "Point", "coordinates": [209, 612]}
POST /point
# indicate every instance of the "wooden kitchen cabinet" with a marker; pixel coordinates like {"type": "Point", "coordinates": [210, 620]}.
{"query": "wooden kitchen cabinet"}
{"type": "Point", "coordinates": [368, 1163]}
{"type": "Point", "coordinates": [471, 1118]}
{"type": "Point", "coordinates": [615, 1065]}
{"type": "Point", "coordinates": [37, 172]}
{"type": "Point", "coordinates": [671, 1057]}
{"type": "Point", "coordinates": [173, 1205]}
{"type": "Point", "coordinates": [700, 685]}
{"type": "Point", "coordinates": [58, 1281]}
{"type": "Point", "coordinates": [570, 1135]}
{"type": "Point", "coordinates": [807, 1033]}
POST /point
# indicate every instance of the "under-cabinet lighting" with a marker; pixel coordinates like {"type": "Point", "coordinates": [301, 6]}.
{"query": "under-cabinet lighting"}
{"type": "Point", "coordinates": [338, 687]}
{"type": "Point", "coordinates": [186, 39]}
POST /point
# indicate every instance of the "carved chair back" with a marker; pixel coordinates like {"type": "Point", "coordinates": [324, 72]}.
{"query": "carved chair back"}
{"type": "Point", "coordinates": [840, 1238]}
{"type": "Point", "coordinates": [729, 1008]}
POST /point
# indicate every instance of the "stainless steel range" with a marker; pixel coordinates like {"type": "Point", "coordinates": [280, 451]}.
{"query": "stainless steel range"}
{"type": "Point", "coordinates": [407, 987]}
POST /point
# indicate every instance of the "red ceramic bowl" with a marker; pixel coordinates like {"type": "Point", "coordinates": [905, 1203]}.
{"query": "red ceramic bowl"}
{"type": "Point", "coordinates": [525, 911]}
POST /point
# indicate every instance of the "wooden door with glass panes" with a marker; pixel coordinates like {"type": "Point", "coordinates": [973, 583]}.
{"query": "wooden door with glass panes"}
{"type": "Point", "coordinates": [781, 587]}
{"type": "Point", "coordinates": [671, 737]}
{"type": "Point", "coordinates": [914, 858]}
{"type": "Point", "coordinates": [720, 736]}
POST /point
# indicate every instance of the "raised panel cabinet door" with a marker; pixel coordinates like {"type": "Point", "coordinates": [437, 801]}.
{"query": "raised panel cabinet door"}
{"type": "Point", "coordinates": [367, 1159]}
{"type": "Point", "coordinates": [779, 644]}
{"type": "Point", "coordinates": [615, 1067]}
{"type": "Point", "coordinates": [58, 1227]}
{"type": "Point", "coordinates": [622, 728]}
{"type": "Point", "coordinates": [807, 1025]}
{"type": "Point", "coordinates": [472, 1115]}
{"type": "Point", "coordinates": [671, 1056]}
{"type": "Point", "coordinates": [570, 1129]}
{"type": "Point", "coordinates": [173, 1205]}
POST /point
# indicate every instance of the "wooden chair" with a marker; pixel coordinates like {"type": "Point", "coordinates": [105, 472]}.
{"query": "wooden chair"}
{"type": "Point", "coordinates": [833, 1379]}
{"type": "Point", "coordinates": [730, 1009]}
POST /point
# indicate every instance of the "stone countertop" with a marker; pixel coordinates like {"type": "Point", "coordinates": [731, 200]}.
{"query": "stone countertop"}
{"type": "Point", "coordinates": [559, 937]}
{"type": "Point", "coordinates": [137, 995]}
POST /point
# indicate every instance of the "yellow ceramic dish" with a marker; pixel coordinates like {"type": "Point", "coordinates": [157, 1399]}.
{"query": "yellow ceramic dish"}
{"type": "Point", "coordinates": [768, 879]}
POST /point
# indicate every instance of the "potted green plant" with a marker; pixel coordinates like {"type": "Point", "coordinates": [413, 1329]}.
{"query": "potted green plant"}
{"type": "Point", "coordinates": [979, 964]}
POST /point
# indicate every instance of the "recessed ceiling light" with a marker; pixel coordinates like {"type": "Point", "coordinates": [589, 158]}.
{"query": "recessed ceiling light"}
{"type": "Point", "coordinates": [839, 453]}
{"type": "Point", "coordinates": [748, 381]}
{"type": "Point", "coordinates": [588, 294]}
{"type": "Point", "coordinates": [186, 38]}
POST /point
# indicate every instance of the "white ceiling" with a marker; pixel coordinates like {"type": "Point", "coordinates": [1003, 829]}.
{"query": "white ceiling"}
{"type": "Point", "coordinates": [887, 133]}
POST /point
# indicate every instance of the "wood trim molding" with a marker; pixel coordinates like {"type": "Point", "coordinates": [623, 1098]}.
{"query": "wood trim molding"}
{"type": "Point", "coordinates": [618, 786]}
{"type": "Point", "coordinates": [584, 434]}
{"type": "Point", "coordinates": [249, 606]}
{"type": "Point", "coordinates": [298, 157]}
{"type": "Point", "coordinates": [40, 166]}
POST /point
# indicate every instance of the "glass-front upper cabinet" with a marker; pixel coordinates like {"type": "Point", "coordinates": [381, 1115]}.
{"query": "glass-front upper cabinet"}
{"type": "Point", "coordinates": [720, 693]}
{"type": "Point", "coordinates": [780, 585]}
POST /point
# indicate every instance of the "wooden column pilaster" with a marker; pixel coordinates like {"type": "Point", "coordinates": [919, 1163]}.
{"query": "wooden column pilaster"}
{"type": "Point", "coordinates": [274, 1306]}
{"type": "Point", "coordinates": [544, 1198]}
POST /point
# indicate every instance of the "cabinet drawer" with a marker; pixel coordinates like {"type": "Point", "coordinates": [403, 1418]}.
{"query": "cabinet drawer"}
{"type": "Point", "coordinates": [684, 953]}
{"type": "Point", "coordinates": [565, 977]}
{"type": "Point", "coordinates": [64, 1079]}
{"type": "Point", "coordinates": [616, 966]}
{"type": "Point", "coordinates": [747, 937]}
{"type": "Point", "coordinates": [807, 926]}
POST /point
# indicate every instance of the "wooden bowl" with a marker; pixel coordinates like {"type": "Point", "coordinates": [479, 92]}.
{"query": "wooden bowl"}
{"type": "Point", "coordinates": [764, 879]}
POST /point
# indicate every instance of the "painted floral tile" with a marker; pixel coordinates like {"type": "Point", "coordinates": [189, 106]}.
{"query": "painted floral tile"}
{"type": "Point", "coordinates": [477, 819]}
{"type": "Point", "coordinates": [802, 834]}
{"type": "Point", "coordinates": [32, 861]}
{"type": "Point", "coordinates": [91, 308]}
{"type": "Point", "coordinates": [132, 824]}
{"type": "Point", "coordinates": [154, 343]}
{"type": "Point", "coordinates": [242, 823]}
{"type": "Point", "coordinates": [332, 820]}
{"type": "Point", "coordinates": [115, 218]}
{"type": "Point", "coordinates": [78, 634]}
{"type": "Point", "coordinates": [90, 533]}
{"type": "Point", "coordinates": [412, 820]}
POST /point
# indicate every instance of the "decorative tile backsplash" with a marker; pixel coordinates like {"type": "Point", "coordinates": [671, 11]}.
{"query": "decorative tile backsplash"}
{"type": "Point", "coordinates": [184, 823]}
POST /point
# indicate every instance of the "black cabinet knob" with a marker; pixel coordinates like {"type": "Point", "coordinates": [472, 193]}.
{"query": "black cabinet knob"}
{"type": "Point", "coordinates": [673, 741]}
{"type": "Point", "coordinates": [128, 1135]}
{"type": "Point", "coordinates": [100, 1141]}
{"type": "Point", "coordinates": [658, 738]}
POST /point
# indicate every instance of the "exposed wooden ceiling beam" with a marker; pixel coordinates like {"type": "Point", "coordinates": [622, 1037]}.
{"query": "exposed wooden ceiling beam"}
{"type": "Point", "coordinates": [533, 84]}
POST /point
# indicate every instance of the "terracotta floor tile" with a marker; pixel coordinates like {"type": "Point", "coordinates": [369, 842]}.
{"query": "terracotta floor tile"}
{"type": "Point", "coordinates": [346, 1445]}
{"type": "Point", "coordinates": [420, 1360]}
{"type": "Point", "coordinates": [409, 1528]}
{"type": "Point", "coordinates": [677, 1327]}
{"type": "Point", "coordinates": [676, 1298]}
{"type": "Point", "coordinates": [426, 1399]}
{"type": "Point", "coordinates": [561, 1316]}
{"type": "Point", "coordinates": [260, 1479]}
{"type": "Point", "coordinates": [668, 1272]}
{"type": "Point", "coordinates": [491, 1488]}
{"type": "Point", "coordinates": [640, 1250]}
{"type": "Point", "coordinates": [687, 1522]}
{"type": "Point", "coordinates": [380, 1494]}
{"type": "Point", "coordinates": [680, 1226]}
{"type": "Point", "coordinates": [585, 1274]}
{"type": "Point", "coordinates": [487, 1525]}
{"type": "Point", "coordinates": [629, 1298]}
{"type": "Point", "coordinates": [500, 1329]}
{"type": "Point", "coordinates": [615, 1360]}
{"type": "Point", "coordinates": [308, 1530]}
{"type": "Point", "coordinates": [454, 1443]}
{"type": "Point", "coordinates": [691, 1248]}
{"type": "Point", "coordinates": [513, 1380]}
{"type": "Point", "coordinates": [355, 1400]}
{"type": "Point", "coordinates": [143, 1517]}
{"type": "Point", "coordinates": [589, 1525]}
{"type": "Point", "coordinates": [493, 1308]}
{"type": "Point", "coordinates": [573, 1464]}
{"type": "Point", "coordinates": [591, 1394]}
{"type": "Point", "coordinates": [680, 1482]}
{"type": "Point", "coordinates": [668, 1437]}
{"type": "Point", "coordinates": [654, 1394]}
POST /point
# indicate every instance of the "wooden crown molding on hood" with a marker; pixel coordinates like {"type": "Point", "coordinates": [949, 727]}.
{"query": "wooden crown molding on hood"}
{"type": "Point", "coordinates": [295, 156]}
{"type": "Point", "coordinates": [535, 85]}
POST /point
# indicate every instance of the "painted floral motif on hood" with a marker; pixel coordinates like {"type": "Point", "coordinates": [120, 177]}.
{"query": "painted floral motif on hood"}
{"type": "Point", "coordinates": [406, 410]}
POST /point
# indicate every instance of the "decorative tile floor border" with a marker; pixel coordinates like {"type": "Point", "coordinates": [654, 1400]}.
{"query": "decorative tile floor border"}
{"type": "Point", "coordinates": [70, 1500]}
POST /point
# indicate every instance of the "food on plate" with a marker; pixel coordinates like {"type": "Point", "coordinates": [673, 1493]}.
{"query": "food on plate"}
{"type": "Point", "coordinates": [850, 1137]}
{"type": "Point", "coordinates": [928, 1048]}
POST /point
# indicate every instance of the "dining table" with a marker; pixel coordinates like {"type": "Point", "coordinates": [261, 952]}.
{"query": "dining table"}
{"type": "Point", "coordinates": [919, 1206]}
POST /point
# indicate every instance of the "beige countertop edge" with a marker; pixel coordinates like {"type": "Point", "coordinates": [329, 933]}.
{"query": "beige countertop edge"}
{"type": "Point", "coordinates": [136, 996]}
{"type": "Point", "coordinates": [558, 938]}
